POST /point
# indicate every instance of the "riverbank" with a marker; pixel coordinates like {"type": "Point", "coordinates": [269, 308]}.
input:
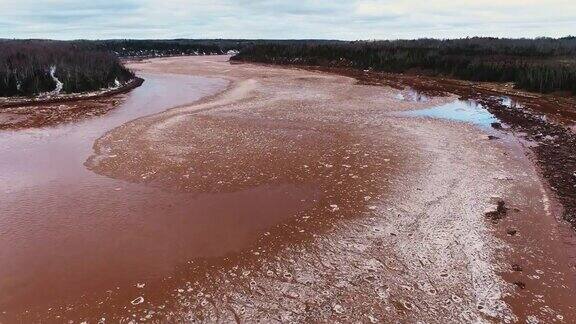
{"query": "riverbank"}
{"type": "Point", "coordinates": [545, 123]}
{"type": "Point", "coordinates": [18, 113]}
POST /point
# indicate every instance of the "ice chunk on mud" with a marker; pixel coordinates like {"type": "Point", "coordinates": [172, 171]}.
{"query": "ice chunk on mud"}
{"type": "Point", "coordinates": [338, 309]}
{"type": "Point", "coordinates": [137, 301]}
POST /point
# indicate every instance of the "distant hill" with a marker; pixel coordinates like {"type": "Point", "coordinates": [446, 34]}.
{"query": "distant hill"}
{"type": "Point", "coordinates": [175, 47]}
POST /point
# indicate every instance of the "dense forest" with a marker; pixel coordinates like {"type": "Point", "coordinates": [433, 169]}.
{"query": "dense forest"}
{"type": "Point", "coordinates": [542, 65]}
{"type": "Point", "coordinates": [30, 67]}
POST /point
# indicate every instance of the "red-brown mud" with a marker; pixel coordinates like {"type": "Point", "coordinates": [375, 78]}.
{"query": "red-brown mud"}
{"type": "Point", "coordinates": [543, 258]}
{"type": "Point", "coordinates": [547, 121]}
{"type": "Point", "coordinates": [290, 195]}
{"type": "Point", "coordinates": [60, 221]}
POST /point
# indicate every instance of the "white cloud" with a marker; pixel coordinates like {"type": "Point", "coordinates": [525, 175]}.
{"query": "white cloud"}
{"type": "Point", "coordinates": [379, 8]}
{"type": "Point", "coordinates": [342, 19]}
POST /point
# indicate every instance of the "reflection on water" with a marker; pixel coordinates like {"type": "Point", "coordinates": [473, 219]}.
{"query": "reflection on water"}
{"type": "Point", "coordinates": [467, 111]}
{"type": "Point", "coordinates": [412, 95]}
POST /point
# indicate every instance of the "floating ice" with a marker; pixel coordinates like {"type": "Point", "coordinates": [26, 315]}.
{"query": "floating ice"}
{"type": "Point", "coordinates": [338, 309]}
{"type": "Point", "coordinates": [137, 301]}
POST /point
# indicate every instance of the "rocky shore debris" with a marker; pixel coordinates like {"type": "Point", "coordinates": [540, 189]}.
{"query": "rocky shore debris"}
{"type": "Point", "coordinates": [520, 284]}
{"type": "Point", "coordinates": [496, 125]}
{"type": "Point", "coordinates": [552, 144]}
{"type": "Point", "coordinates": [497, 211]}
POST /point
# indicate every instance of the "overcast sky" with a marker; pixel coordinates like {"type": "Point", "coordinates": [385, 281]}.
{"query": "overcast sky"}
{"type": "Point", "coordinates": [332, 19]}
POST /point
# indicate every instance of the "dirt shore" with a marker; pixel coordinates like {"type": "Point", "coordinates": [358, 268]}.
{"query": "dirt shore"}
{"type": "Point", "coordinates": [381, 216]}
{"type": "Point", "coordinates": [38, 112]}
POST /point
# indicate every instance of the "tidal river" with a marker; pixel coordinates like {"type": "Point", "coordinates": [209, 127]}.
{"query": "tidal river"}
{"type": "Point", "coordinates": [66, 231]}
{"type": "Point", "coordinates": [220, 192]}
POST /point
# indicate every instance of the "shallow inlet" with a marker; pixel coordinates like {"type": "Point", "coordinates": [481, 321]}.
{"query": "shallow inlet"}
{"type": "Point", "coordinates": [65, 230]}
{"type": "Point", "coordinates": [459, 110]}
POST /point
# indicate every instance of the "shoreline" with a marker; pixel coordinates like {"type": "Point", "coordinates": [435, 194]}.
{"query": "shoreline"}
{"type": "Point", "coordinates": [73, 97]}
{"type": "Point", "coordinates": [546, 123]}
{"type": "Point", "coordinates": [560, 107]}
{"type": "Point", "coordinates": [27, 113]}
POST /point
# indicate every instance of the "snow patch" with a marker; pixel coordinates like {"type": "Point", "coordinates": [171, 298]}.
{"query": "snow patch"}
{"type": "Point", "coordinates": [59, 84]}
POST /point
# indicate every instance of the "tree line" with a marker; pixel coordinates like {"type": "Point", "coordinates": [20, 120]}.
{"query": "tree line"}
{"type": "Point", "coordinates": [26, 66]}
{"type": "Point", "coordinates": [542, 64]}
{"type": "Point", "coordinates": [176, 47]}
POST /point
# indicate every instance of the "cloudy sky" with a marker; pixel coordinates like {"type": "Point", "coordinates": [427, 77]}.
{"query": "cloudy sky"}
{"type": "Point", "coordinates": [332, 19]}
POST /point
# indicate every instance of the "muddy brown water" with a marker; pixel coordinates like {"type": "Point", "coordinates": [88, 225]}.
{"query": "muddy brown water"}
{"type": "Point", "coordinates": [65, 230]}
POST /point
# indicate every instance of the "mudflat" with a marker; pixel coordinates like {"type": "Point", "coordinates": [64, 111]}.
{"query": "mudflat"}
{"type": "Point", "coordinates": [244, 192]}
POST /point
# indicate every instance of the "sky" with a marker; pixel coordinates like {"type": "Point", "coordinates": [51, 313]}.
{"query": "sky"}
{"type": "Point", "coordinates": [278, 19]}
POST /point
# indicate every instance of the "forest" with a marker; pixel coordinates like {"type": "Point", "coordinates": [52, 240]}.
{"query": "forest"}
{"type": "Point", "coordinates": [27, 67]}
{"type": "Point", "coordinates": [175, 47]}
{"type": "Point", "coordinates": [542, 65]}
